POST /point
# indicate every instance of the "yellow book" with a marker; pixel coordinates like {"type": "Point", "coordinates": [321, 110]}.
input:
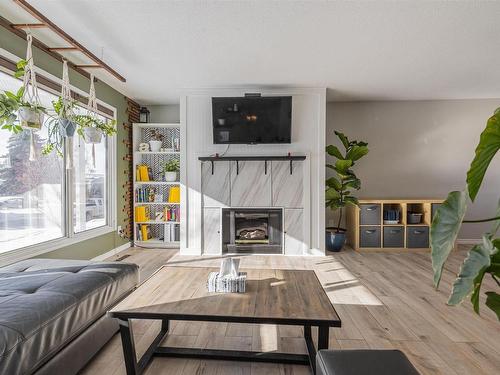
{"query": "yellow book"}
{"type": "Point", "coordinates": [144, 232]}
{"type": "Point", "coordinates": [143, 173]}
{"type": "Point", "coordinates": [174, 195]}
{"type": "Point", "coordinates": [140, 213]}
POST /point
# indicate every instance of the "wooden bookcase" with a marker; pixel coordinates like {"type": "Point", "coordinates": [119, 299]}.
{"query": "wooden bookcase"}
{"type": "Point", "coordinates": [367, 229]}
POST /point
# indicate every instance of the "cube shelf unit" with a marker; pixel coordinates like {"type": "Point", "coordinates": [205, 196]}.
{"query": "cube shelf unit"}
{"type": "Point", "coordinates": [390, 224]}
{"type": "Point", "coordinates": [161, 231]}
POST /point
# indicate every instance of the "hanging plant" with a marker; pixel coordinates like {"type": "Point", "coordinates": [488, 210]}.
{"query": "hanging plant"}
{"type": "Point", "coordinates": [62, 126]}
{"type": "Point", "coordinates": [90, 126]}
{"type": "Point", "coordinates": [19, 110]}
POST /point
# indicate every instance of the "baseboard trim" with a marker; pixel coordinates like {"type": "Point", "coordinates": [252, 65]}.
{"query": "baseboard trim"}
{"type": "Point", "coordinates": [112, 252]}
{"type": "Point", "coordinates": [469, 241]}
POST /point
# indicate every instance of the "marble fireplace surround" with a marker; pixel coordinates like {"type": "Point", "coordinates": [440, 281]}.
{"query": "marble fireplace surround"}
{"type": "Point", "coordinates": [247, 185]}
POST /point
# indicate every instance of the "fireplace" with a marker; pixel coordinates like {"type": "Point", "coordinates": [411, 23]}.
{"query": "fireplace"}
{"type": "Point", "coordinates": [252, 230]}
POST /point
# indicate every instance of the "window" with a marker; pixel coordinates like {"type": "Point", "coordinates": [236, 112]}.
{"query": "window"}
{"type": "Point", "coordinates": [33, 199]}
{"type": "Point", "coordinates": [89, 185]}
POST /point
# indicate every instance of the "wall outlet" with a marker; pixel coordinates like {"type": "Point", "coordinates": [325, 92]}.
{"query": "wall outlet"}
{"type": "Point", "coordinates": [119, 230]}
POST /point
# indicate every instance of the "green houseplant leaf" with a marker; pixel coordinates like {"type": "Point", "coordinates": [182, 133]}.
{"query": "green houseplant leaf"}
{"type": "Point", "coordinates": [493, 302]}
{"type": "Point", "coordinates": [332, 182]}
{"type": "Point", "coordinates": [334, 151]}
{"type": "Point", "coordinates": [471, 273]}
{"type": "Point", "coordinates": [444, 230]}
{"type": "Point", "coordinates": [357, 152]}
{"type": "Point", "coordinates": [489, 144]}
{"type": "Point", "coordinates": [342, 166]}
{"type": "Point", "coordinates": [343, 139]}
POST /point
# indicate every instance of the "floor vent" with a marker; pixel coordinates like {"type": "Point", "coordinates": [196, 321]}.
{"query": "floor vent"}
{"type": "Point", "coordinates": [122, 257]}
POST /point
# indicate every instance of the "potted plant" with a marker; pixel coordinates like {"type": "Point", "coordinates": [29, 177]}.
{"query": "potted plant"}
{"type": "Point", "coordinates": [16, 112]}
{"type": "Point", "coordinates": [171, 168]}
{"type": "Point", "coordinates": [156, 140]}
{"type": "Point", "coordinates": [91, 128]}
{"type": "Point", "coordinates": [65, 117]}
{"type": "Point", "coordinates": [482, 260]}
{"type": "Point", "coordinates": [338, 188]}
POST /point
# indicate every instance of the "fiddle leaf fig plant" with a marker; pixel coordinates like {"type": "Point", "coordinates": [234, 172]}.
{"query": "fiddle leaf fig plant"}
{"type": "Point", "coordinates": [483, 260]}
{"type": "Point", "coordinates": [339, 188]}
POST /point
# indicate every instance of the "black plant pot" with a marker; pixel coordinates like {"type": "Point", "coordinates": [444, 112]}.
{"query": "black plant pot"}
{"type": "Point", "coordinates": [335, 239]}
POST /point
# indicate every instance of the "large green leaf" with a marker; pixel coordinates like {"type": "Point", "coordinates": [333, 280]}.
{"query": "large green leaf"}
{"type": "Point", "coordinates": [489, 144]}
{"type": "Point", "coordinates": [342, 166]}
{"type": "Point", "coordinates": [343, 138]}
{"type": "Point", "coordinates": [444, 230]}
{"type": "Point", "coordinates": [357, 152]}
{"type": "Point", "coordinates": [354, 183]}
{"type": "Point", "coordinates": [493, 302]}
{"type": "Point", "coordinates": [331, 193]}
{"type": "Point", "coordinates": [471, 273]}
{"type": "Point", "coordinates": [332, 182]}
{"type": "Point", "coordinates": [334, 151]}
{"type": "Point", "coordinates": [352, 200]}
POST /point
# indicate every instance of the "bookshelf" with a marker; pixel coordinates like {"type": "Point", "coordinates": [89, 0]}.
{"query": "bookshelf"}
{"type": "Point", "coordinates": [391, 224]}
{"type": "Point", "coordinates": [157, 207]}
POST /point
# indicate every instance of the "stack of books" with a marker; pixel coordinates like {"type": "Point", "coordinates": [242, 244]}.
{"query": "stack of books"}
{"type": "Point", "coordinates": [226, 284]}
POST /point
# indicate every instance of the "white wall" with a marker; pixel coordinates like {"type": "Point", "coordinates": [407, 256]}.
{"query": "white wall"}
{"type": "Point", "coordinates": [308, 129]}
{"type": "Point", "coordinates": [419, 149]}
{"type": "Point", "coordinates": [164, 113]}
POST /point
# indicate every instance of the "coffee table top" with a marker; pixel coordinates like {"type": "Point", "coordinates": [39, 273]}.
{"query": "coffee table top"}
{"type": "Point", "coordinates": [272, 296]}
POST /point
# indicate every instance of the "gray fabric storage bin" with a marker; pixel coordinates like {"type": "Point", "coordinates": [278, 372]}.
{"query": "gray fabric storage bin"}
{"type": "Point", "coordinates": [417, 236]}
{"type": "Point", "coordinates": [369, 236]}
{"type": "Point", "coordinates": [369, 214]}
{"type": "Point", "coordinates": [394, 236]}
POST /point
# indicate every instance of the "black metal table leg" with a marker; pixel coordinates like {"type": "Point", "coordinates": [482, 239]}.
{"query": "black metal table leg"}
{"type": "Point", "coordinates": [132, 366]}
{"type": "Point", "coordinates": [311, 350]}
{"type": "Point", "coordinates": [128, 345]}
{"type": "Point", "coordinates": [323, 337]}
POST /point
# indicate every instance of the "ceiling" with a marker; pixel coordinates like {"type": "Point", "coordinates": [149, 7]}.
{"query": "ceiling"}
{"type": "Point", "coordinates": [359, 50]}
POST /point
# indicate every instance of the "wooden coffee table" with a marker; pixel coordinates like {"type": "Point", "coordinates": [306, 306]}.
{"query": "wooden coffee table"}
{"type": "Point", "coordinates": [284, 297]}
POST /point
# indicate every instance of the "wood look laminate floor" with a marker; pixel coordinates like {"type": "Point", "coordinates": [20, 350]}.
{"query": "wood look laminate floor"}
{"type": "Point", "coordinates": [385, 300]}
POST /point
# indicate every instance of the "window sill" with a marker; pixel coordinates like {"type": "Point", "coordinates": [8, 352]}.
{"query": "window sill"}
{"type": "Point", "coordinates": [45, 247]}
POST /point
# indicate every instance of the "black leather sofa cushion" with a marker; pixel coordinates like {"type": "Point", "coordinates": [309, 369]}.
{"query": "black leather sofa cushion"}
{"type": "Point", "coordinates": [363, 362]}
{"type": "Point", "coordinates": [46, 303]}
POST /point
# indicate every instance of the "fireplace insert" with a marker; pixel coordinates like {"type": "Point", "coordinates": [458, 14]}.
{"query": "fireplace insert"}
{"type": "Point", "coordinates": [252, 230]}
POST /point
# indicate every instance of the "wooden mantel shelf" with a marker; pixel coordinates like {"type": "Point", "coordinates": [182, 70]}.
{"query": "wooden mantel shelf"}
{"type": "Point", "coordinates": [265, 159]}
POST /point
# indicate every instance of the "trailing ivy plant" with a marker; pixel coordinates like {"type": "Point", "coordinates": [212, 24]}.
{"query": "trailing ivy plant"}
{"type": "Point", "coordinates": [108, 127]}
{"type": "Point", "coordinates": [482, 260]}
{"type": "Point", "coordinates": [338, 189]}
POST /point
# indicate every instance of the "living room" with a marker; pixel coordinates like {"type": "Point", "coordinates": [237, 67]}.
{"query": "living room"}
{"type": "Point", "coordinates": [249, 187]}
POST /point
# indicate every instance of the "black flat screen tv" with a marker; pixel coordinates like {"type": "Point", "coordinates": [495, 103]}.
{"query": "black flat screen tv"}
{"type": "Point", "coordinates": [252, 120]}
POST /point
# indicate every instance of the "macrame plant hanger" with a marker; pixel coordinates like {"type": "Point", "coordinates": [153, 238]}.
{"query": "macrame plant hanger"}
{"type": "Point", "coordinates": [92, 110]}
{"type": "Point", "coordinates": [30, 94]}
{"type": "Point", "coordinates": [67, 110]}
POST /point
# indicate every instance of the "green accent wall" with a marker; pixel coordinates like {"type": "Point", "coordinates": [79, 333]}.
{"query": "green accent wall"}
{"type": "Point", "coordinates": [99, 245]}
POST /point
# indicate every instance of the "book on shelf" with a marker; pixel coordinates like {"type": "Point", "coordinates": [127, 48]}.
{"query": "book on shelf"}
{"type": "Point", "coordinates": [174, 194]}
{"type": "Point", "coordinates": [143, 233]}
{"type": "Point", "coordinates": [171, 214]}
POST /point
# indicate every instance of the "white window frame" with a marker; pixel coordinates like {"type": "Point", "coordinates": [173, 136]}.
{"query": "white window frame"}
{"type": "Point", "coordinates": [69, 237]}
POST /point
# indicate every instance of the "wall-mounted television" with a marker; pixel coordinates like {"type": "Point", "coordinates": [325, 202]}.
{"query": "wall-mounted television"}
{"type": "Point", "coordinates": [252, 119]}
